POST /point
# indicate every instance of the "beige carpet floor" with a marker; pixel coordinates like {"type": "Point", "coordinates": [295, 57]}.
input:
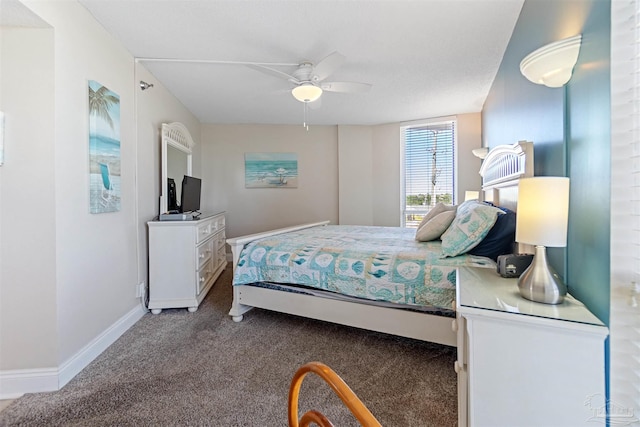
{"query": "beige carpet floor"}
{"type": "Point", "coordinates": [202, 369]}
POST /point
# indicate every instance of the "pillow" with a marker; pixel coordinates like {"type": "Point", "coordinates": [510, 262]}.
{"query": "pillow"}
{"type": "Point", "coordinates": [437, 225]}
{"type": "Point", "coordinates": [437, 209]}
{"type": "Point", "coordinates": [472, 223]}
{"type": "Point", "coordinates": [499, 240]}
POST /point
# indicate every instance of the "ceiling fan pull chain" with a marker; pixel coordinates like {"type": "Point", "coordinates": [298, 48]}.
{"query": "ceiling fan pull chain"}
{"type": "Point", "coordinates": [304, 120]}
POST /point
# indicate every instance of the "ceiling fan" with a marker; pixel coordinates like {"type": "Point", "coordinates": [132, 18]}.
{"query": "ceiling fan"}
{"type": "Point", "coordinates": [309, 78]}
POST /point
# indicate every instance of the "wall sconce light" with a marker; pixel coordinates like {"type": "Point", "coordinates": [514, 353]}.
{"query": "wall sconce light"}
{"type": "Point", "coordinates": [145, 85]}
{"type": "Point", "coordinates": [480, 153]}
{"type": "Point", "coordinates": [552, 65]}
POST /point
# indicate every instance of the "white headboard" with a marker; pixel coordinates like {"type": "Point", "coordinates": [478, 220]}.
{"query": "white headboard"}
{"type": "Point", "coordinates": [501, 171]}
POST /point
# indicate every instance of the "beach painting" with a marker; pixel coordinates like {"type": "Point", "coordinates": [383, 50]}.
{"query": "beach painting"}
{"type": "Point", "coordinates": [271, 170]}
{"type": "Point", "coordinates": [104, 149]}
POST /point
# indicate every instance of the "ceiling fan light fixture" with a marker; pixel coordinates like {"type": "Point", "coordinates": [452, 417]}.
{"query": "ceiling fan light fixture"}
{"type": "Point", "coordinates": [306, 92]}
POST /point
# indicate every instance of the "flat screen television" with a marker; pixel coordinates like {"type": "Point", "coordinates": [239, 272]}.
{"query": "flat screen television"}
{"type": "Point", "coordinates": [190, 196]}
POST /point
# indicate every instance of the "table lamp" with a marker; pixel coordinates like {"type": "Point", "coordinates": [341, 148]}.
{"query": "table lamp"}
{"type": "Point", "coordinates": [543, 210]}
{"type": "Point", "coordinates": [471, 195]}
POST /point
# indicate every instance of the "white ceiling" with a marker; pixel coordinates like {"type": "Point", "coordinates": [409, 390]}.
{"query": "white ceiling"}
{"type": "Point", "coordinates": [424, 58]}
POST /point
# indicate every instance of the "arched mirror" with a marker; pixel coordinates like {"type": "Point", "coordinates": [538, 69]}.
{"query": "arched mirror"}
{"type": "Point", "coordinates": [177, 146]}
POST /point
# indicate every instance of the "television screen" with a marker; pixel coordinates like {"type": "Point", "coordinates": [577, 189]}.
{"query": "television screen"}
{"type": "Point", "coordinates": [190, 197]}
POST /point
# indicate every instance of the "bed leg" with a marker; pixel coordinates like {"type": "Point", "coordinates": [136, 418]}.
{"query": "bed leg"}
{"type": "Point", "coordinates": [237, 309]}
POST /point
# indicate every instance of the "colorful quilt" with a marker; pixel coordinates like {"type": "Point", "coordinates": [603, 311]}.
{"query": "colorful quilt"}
{"type": "Point", "coordinates": [377, 263]}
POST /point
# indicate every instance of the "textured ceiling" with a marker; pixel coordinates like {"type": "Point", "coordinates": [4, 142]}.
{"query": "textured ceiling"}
{"type": "Point", "coordinates": [424, 58]}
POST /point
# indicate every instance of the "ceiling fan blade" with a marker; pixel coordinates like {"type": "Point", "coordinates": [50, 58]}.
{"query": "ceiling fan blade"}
{"type": "Point", "coordinates": [328, 65]}
{"type": "Point", "coordinates": [345, 87]}
{"type": "Point", "coordinates": [273, 72]}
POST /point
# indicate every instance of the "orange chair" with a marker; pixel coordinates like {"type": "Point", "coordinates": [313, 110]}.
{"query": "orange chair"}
{"type": "Point", "coordinates": [341, 388]}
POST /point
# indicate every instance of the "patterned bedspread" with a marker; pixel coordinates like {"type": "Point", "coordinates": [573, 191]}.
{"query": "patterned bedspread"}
{"type": "Point", "coordinates": [377, 263]}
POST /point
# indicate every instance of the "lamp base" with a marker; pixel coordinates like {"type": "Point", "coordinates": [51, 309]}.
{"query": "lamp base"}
{"type": "Point", "coordinates": [539, 282]}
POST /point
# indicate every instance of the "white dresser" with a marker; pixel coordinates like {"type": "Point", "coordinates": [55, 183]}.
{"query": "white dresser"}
{"type": "Point", "coordinates": [522, 363]}
{"type": "Point", "coordinates": [185, 259]}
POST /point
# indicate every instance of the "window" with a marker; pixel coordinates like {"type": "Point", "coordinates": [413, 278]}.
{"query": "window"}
{"type": "Point", "coordinates": [428, 159]}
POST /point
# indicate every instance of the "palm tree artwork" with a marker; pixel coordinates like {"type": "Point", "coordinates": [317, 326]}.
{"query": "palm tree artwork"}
{"type": "Point", "coordinates": [104, 149]}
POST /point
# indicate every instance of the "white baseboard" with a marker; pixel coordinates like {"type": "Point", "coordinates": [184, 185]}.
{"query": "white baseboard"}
{"type": "Point", "coordinates": [15, 383]}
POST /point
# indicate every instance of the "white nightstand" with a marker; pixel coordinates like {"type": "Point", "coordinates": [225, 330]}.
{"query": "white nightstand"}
{"type": "Point", "coordinates": [522, 363]}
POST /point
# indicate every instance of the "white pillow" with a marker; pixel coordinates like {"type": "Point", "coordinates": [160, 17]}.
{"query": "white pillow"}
{"type": "Point", "coordinates": [434, 227]}
{"type": "Point", "coordinates": [437, 209]}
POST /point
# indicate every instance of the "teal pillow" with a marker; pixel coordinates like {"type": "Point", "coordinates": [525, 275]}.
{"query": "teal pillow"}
{"type": "Point", "coordinates": [472, 223]}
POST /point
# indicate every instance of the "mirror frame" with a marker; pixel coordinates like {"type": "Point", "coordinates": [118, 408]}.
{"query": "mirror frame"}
{"type": "Point", "coordinates": [174, 135]}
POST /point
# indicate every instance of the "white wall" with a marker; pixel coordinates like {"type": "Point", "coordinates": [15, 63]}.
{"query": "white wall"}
{"type": "Point", "coordinates": [251, 210]}
{"type": "Point", "coordinates": [355, 175]}
{"type": "Point", "coordinates": [96, 268]}
{"type": "Point", "coordinates": [68, 277]}
{"type": "Point", "coordinates": [469, 138]}
{"type": "Point", "coordinates": [28, 332]}
{"type": "Point", "coordinates": [386, 176]}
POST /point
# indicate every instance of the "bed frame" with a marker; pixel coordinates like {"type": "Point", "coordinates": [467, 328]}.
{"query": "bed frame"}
{"type": "Point", "coordinates": [501, 170]}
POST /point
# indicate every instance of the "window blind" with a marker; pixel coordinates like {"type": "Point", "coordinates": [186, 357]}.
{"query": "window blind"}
{"type": "Point", "coordinates": [624, 322]}
{"type": "Point", "coordinates": [428, 169]}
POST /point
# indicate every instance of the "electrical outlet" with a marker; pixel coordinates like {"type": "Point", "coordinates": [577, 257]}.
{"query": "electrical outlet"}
{"type": "Point", "coordinates": [140, 290]}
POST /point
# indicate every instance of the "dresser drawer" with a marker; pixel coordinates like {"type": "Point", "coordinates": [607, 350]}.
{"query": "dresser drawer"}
{"type": "Point", "coordinates": [204, 275]}
{"type": "Point", "coordinates": [205, 230]}
{"type": "Point", "coordinates": [205, 251]}
{"type": "Point", "coordinates": [218, 224]}
{"type": "Point", "coordinates": [222, 255]}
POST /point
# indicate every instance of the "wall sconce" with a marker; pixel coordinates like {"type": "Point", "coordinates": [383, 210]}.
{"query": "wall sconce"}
{"type": "Point", "coordinates": [145, 85]}
{"type": "Point", "coordinates": [480, 153]}
{"type": "Point", "coordinates": [552, 65]}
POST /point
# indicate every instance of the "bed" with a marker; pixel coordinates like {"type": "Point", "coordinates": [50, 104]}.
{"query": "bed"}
{"type": "Point", "coordinates": [397, 286]}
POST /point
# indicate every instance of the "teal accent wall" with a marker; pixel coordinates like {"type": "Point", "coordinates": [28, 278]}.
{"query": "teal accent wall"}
{"type": "Point", "coordinates": [570, 129]}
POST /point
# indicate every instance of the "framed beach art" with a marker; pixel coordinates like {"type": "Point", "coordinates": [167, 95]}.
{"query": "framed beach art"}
{"type": "Point", "coordinates": [271, 170]}
{"type": "Point", "coordinates": [104, 149]}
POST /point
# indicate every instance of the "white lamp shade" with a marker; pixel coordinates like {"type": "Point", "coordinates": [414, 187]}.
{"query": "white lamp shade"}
{"type": "Point", "coordinates": [306, 92]}
{"type": "Point", "coordinates": [552, 65]}
{"type": "Point", "coordinates": [543, 211]}
{"type": "Point", "coordinates": [471, 195]}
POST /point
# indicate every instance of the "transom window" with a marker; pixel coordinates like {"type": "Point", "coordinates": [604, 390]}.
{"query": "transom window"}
{"type": "Point", "coordinates": [428, 152]}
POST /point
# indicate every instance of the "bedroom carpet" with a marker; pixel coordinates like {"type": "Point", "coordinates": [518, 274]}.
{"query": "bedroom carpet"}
{"type": "Point", "coordinates": [202, 369]}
